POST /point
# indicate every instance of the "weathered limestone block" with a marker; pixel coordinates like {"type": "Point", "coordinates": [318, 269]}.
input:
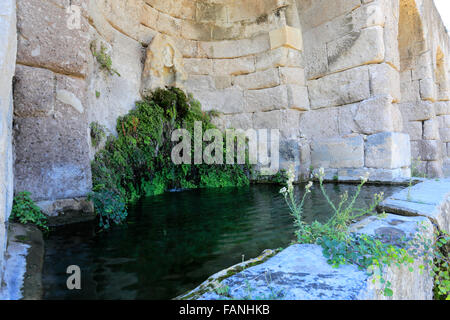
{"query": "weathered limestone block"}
{"type": "Point", "coordinates": [228, 49]}
{"type": "Point", "coordinates": [123, 16]}
{"type": "Point", "coordinates": [45, 40]}
{"type": "Point", "coordinates": [417, 111]}
{"type": "Point", "coordinates": [291, 75]}
{"type": "Point", "coordinates": [444, 134]}
{"type": "Point", "coordinates": [356, 49]}
{"type": "Point", "coordinates": [163, 65]}
{"type": "Point", "coordinates": [223, 82]}
{"type": "Point", "coordinates": [414, 129]}
{"type": "Point", "coordinates": [341, 88]}
{"type": "Point", "coordinates": [242, 121]}
{"type": "Point", "coordinates": [267, 120]}
{"type": "Point", "coordinates": [410, 90]}
{"type": "Point", "coordinates": [385, 80]}
{"type": "Point", "coordinates": [227, 101]}
{"type": "Point", "coordinates": [52, 152]}
{"type": "Point", "coordinates": [298, 97]}
{"type": "Point", "coordinates": [442, 108]}
{"type": "Point", "coordinates": [444, 121]}
{"type": "Point", "coordinates": [117, 95]}
{"type": "Point", "coordinates": [234, 67]}
{"type": "Point", "coordinates": [318, 12]}
{"type": "Point", "coordinates": [427, 150]}
{"type": "Point", "coordinates": [435, 169]}
{"type": "Point", "coordinates": [286, 36]}
{"type": "Point", "coordinates": [34, 92]}
{"type": "Point", "coordinates": [430, 199]}
{"type": "Point", "coordinates": [338, 153]}
{"type": "Point", "coordinates": [428, 89]}
{"type": "Point", "coordinates": [313, 126]}
{"type": "Point", "coordinates": [431, 129]}
{"type": "Point", "coordinates": [423, 68]}
{"type": "Point", "coordinates": [258, 80]}
{"type": "Point", "coordinates": [281, 57]}
{"type": "Point", "coordinates": [388, 150]}
{"type": "Point", "coordinates": [198, 66]}
{"type": "Point", "coordinates": [62, 206]}
{"type": "Point", "coordinates": [378, 115]}
{"type": "Point", "coordinates": [266, 99]}
{"type": "Point", "coordinates": [285, 120]}
{"type": "Point", "coordinates": [375, 175]}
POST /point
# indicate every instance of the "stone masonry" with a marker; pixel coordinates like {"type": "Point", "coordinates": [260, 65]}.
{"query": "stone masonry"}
{"type": "Point", "coordinates": [354, 86]}
{"type": "Point", "coordinates": [8, 47]}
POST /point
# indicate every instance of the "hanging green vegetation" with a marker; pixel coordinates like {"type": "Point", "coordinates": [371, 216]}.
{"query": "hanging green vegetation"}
{"type": "Point", "coordinates": [25, 211]}
{"type": "Point", "coordinates": [138, 162]}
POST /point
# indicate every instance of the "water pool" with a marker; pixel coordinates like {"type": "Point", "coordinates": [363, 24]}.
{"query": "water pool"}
{"type": "Point", "coordinates": [173, 242]}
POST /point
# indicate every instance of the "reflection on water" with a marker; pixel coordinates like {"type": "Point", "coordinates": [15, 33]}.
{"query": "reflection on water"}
{"type": "Point", "coordinates": [173, 242]}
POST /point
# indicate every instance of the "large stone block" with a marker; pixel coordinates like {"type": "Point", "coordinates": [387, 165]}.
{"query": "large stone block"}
{"type": "Point", "coordinates": [378, 115]}
{"type": "Point", "coordinates": [385, 80]}
{"type": "Point", "coordinates": [431, 129]}
{"type": "Point", "coordinates": [266, 99]}
{"type": "Point", "coordinates": [227, 101]}
{"type": "Point", "coordinates": [312, 124]}
{"type": "Point", "coordinates": [388, 150]}
{"type": "Point", "coordinates": [34, 92]}
{"type": "Point", "coordinates": [339, 89]}
{"type": "Point", "coordinates": [338, 153]}
{"type": "Point", "coordinates": [281, 57]}
{"type": "Point", "coordinates": [234, 67]}
{"type": "Point", "coordinates": [442, 108]}
{"type": "Point", "coordinates": [286, 37]}
{"type": "Point", "coordinates": [52, 157]}
{"type": "Point", "coordinates": [427, 150]}
{"type": "Point", "coordinates": [444, 134]}
{"type": "Point", "coordinates": [414, 129]}
{"type": "Point", "coordinates": [258, 80]}
{"type": "Point", "coordinates": [45, 39]}
{"type": "Point", "coordinates": [356, 49]}
{"type": "Point", "coordinates": [417, 110]}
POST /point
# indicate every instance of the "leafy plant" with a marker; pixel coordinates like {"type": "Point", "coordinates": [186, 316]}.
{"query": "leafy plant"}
{"type": "Point", "coordinates": [103, 59]}
{"type": "Point", "coordinates": [97, 133]}
{"type": "Point", "coordinates": [369, 253]}
{"type": "Point", "coordinates": [138, 162]}
{"type": "Point", "coordinates": [25, 211]}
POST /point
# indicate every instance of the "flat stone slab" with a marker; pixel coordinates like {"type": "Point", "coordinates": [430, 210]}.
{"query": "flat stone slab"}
{"type": "Point", "coordinates": [430, 198]}
{"type": "Point", "coordinates": [301, 272]}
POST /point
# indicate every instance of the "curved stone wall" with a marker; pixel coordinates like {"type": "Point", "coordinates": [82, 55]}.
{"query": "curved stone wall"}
{"type": "Point", "coordinates": [328, 75]}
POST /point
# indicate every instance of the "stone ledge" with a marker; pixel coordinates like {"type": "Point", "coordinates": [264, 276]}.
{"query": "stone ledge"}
{"type": "Point", "coordinates": [300, 272]}
{"type": "Point", "coordinates": [430, 199]}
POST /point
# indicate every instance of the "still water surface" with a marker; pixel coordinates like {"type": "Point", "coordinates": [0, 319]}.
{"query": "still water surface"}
{"type": "Point", "coordinates": [173, 242]}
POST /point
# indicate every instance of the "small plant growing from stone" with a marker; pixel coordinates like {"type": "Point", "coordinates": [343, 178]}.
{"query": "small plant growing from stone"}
{"type": "Point", "coordinates": [98, 133]}
{"type": "Point", "coordinates": [103, 59]}
{"type": "Point", "coordinates": [25, 211]}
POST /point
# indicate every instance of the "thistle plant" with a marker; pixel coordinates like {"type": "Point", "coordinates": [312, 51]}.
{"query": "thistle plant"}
{"type": "Point", "coordinates": [296, 208]}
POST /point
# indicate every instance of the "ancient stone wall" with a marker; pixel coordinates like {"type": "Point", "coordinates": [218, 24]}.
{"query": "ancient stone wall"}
{"type": "Point", "coordinates": [424, 77]}
{"type": "Point", "coordinates": [345, 81]}
{"type": "Point", "coordinates": [8, 47]}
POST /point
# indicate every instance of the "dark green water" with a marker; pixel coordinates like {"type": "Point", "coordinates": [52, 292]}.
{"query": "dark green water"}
{"type": "Point", "coordinates": [173, 242]}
